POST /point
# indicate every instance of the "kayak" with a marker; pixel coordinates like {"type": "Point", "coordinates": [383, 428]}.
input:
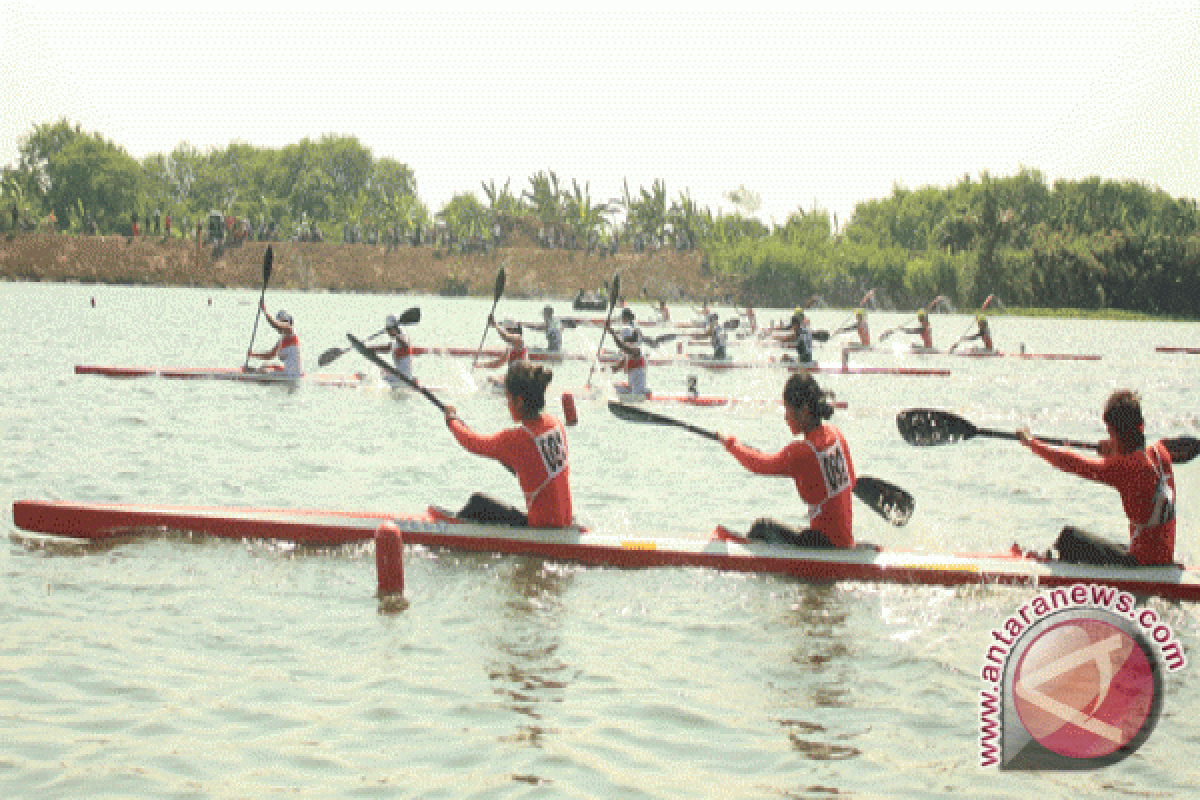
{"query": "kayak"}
{"type": "Point", "coordinates": [980, 352]}
{"type": "Point", "coordinates": [1191, 351]}
{"type": "Point", "coordinates": [237, 374]}
{"type": "Point", "coordinates": [625, 396]}
{"type": "Point", "coordinates": [719, 550]}
{"type": "Point", "coordinates": [226, 374]}
{"type": "Point", "coordinates": [701, 362]}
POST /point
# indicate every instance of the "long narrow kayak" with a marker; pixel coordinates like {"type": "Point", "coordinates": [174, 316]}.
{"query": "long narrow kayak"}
{"type": "Point", "coordinates": [700, 362]}
{"type": "Point", "coordinates": [976, 352]}
{"type": "Point", "coordinates": [719, 550]}
{"type": "Point", "coordinates": [237, 374]}
{"type": "Point", "coordinates": [1191, 351]}
{"type": "Point", "coordinates": [225, 374]}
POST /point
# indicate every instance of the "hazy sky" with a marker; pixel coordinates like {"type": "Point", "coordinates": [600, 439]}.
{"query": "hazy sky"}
{"type": "Point", "coordinates": [804, 108]}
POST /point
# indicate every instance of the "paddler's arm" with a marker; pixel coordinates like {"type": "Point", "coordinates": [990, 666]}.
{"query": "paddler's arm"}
{"type": "Point", "coordinates": [628, 350]}
{"type": "Point", "coordinates": [477, 443]}
{"type": "Point", "coordinates": [267, 354]}
{"type": "Point", "coordinates": [756, 461]}
{"type": "Point", "coordinates": [1094, 469]}
{"type": "Point", "coordinates": [511, 339]}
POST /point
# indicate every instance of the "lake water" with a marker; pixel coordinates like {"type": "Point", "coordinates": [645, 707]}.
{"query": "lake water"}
{"type": "Point", "coordinates": [174, 667]}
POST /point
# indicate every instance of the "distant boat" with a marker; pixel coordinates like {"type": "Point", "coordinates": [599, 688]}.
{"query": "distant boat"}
{"type": "Point", "coordinates": [590, 301]}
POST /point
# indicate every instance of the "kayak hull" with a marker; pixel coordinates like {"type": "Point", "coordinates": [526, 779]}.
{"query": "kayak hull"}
{"type": "Point", "coordinates": [235, 374]}
{"type": "Point", "coordinates": [864, 563]}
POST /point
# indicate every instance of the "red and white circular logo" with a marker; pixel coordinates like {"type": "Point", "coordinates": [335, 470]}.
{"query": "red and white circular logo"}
{"type": "Point", "coordinates": [1084, 688]}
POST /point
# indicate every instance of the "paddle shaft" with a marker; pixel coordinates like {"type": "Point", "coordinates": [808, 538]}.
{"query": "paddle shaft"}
{"type": "Point", "coordinates": [871, 491]}
{"type": "Point", "coordinates": [373, 357]}
{"type": "Point", "coordinates": [496, 292]}
{"type": "Point", "coordinates": [612, 303]}
{"type": "Point", "coordinates": [1012, 436]}
{"type": "Point", "coordinates": [268, 257]}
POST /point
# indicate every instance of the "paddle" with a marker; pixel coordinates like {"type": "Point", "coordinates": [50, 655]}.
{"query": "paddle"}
{"type": "Point", "coordinates": [928, 426]}
{"type": "Point", "coordinates": [612, 303]}
{"type": "Point", "coordinates": [409, 317]}
{"type": "Point", "coordinates": [496, 292]}
{"type": "Point", "coordinates": [268, 257]}
{"type": "Point", "coordinates": [889, 501]}
{"type": "Point", "coordinates": [373, 357]}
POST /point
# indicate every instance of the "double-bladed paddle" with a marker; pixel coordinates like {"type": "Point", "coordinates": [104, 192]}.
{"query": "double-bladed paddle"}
{"type": "Point", "coordinates": [373, 357]}
{"type": "Point", "coordinates": [930, 426]}
{"type": "Point", "coordinates": [268, 257]}
{"type": "Point", "coordinates": [612, 303]}
{"type": "Point", "coordinates": [889, 501]}
{"type": "Point", "coordinates": [410, 317]}
{"type": "Point", "coordinates": [496, 292]}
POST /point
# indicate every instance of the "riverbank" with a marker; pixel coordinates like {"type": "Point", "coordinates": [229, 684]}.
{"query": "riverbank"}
{"type": "Point", "coordinates": [531, 271]}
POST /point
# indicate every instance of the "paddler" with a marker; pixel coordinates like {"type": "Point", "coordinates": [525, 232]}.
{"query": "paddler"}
{"type": "Point", "coordinates": [552, 328]}
{"type": "Point", "coordinates": [513, 337]}
{"type": "Point", "coordinates": [858, 326]}
{"type": "Point", "coordinates": [633, 360]}
{"type": "Point", "coordinates": [287, 349]}
{"type": "Point", "coordinates": [535, 450]}
{"type": "Point", "coordinates": [983, 333]}
{"type": "Point", "coordinates": [799, 334]}
{"type": "Point", "coordinates": [819, 463]}
{"type": "Point", "coordinates": [664, 314]}
{"type": "Point", "coordinates": [718, 338]}
{"type": "Point", "coordinates": [1143, 476]}
{"type": "Point", "coordinates": [400, 349]}
{"type": "Point", "coordinates": [923, 329]}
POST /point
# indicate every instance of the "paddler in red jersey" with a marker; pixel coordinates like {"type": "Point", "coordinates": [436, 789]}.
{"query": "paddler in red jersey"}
{"type": "Point", "coordinates": [819, 463]}
{"type": "Point", "coordinates": [983, 333]}
{"type": "Point", "coordinates": [1143, 476]}
{"type": "Point", "coordinates": [514, 337]}
{"type": "Point", "coordinates": [535, 450]}
{"type": "Point", "coordinates": [860, 327]}
{"type": "Point", "coordinates": [923, 329]}
{"type": "Point", "coordinates": [287, 349]}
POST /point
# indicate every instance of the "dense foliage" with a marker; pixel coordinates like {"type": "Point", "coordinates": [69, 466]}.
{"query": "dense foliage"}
{"type": "Point", "coordinates": [1087, 244]}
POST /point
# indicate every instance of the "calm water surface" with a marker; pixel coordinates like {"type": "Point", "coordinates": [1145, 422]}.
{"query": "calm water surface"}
{"type": "Point", "coordinates": [173, 667]}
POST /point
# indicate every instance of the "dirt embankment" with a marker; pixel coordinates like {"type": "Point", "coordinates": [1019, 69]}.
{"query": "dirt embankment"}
{"type": "Point", "coordinates": [530, 271]}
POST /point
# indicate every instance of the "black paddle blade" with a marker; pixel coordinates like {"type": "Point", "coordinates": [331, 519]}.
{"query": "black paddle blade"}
{"type": "Point", "coordinates": [268, 259]}
{"type": "Point", "coordinates": [926, 426]}
{"type": "Point", "coordinates": [889, 501]}
{"type": "Point", "coordinates": [499, 289]}
{"type": "Point", "coordinates": [616, 292]}
{"type": "Point", "coordinates": [330, 355]}
{"type": "Point", "coordinates": [410, 317]}
{"type": "Point", "coordinates": [820, 336]}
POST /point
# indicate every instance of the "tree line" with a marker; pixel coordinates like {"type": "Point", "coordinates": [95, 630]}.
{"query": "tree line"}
{"type": "Point", "coordinates": [1089, 244]}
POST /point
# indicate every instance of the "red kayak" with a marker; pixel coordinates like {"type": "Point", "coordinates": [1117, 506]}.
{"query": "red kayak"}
{"type": "Point", "coordinates": [719, 549]}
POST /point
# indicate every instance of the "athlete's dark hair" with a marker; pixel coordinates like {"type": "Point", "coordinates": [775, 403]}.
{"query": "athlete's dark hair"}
{"type": "Point", "coordinates": [802, 391]}
{"type": "Point", "coordinates": [1123, 412]}
{"type": "Point", "coordinates": [528, 384]}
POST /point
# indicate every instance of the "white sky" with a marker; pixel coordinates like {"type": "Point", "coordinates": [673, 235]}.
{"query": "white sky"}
{"type": "Point", "coordinates": [828, 108]}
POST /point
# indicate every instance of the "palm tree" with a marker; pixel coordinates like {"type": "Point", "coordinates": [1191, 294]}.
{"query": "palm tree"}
{"type": "Point", "coordinates": [582, 217]}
